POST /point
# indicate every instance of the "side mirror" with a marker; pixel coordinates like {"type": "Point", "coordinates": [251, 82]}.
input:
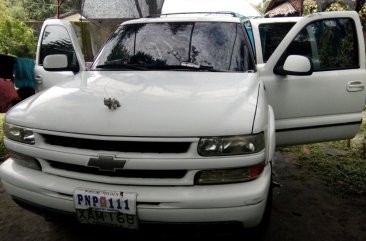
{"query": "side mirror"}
{"type": "Point", "coordinates": [58, 62]}
{"type": "Point", "coordinates": [295, 65]}
{"type": "Point", "coordinates": [55, 62]}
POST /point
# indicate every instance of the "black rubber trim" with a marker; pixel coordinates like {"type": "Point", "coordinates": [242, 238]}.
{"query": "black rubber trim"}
{"type": "Point", "coordinates": [39, 209]}
{"type": "Point", "coordinates": [320, 126]}
{"type": "Point", "coordinates": [256, 107]}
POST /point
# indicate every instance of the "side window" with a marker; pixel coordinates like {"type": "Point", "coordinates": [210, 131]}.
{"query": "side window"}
{"type": "Point", "coordinates": [330, 44]}
{"type": "Point", "coordinates": [271, 35]}
{"type": "Point", "coordinates": [56, 40]}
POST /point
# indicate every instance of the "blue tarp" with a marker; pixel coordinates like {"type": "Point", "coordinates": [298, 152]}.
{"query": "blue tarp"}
{"type": "Point", "coordinates": [24, 73]}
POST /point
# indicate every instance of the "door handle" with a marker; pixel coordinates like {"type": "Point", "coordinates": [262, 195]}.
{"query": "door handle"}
{"type": "Point", "coordinates": [355, 85]}
{"type": "Point", "coordinates": [39, 79]}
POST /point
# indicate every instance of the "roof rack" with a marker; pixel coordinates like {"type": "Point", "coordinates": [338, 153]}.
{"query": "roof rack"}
{"type": "Point", "coordinates": [208, 13]}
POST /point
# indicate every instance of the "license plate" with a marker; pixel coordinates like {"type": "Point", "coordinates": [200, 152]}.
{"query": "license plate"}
{"type": "Point", "coordinates": [115, 219]}
{"type": "Point", "coordinates": [106, 207]}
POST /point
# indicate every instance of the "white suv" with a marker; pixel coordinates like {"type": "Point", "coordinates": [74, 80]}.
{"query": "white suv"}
{"type": "Point", "coordinates": [174, 123]}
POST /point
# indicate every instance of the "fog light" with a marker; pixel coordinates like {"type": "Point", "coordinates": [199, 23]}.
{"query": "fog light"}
{"type": "Point", "coordinates": [26, 161]}
{"type": "Point", "coordinates": [229, 175]}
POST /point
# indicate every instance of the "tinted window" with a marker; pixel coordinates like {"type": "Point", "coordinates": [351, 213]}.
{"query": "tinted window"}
{"type": "Point", "coordinates": [330, 44]}
{"type": "Point", "coordinates": [56, 40]}
{"type": "Point", "coordinates": [271, 35]}
{"type": "Point", "coordinates": [219, 46]}
{"type": "Point", "coordinates": [214, 44]}
{"type": "Point", "coordinates": [166, 42]}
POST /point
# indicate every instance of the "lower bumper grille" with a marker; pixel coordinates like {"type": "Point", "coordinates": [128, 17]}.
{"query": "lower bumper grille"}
{"type": "Point", "coordinates": [166, 174]}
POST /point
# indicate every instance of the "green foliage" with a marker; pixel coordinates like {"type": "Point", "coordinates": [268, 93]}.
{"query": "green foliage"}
{"type": "Point", "coordinates": [43, 9]}
{"type": "Point", "coordinates": [39, 9]}
{"type": "Point", "coordinates": [309, 7]}
{"type": "Point", "coordinates": [337, 6]}
{"type": "Point", "coordinates": [17, 11]}
{"type": "Point", "coordinates": [17, 38]}
{"type": "Point", "coordinates": [3, 153]}
{"type": "Point", "coordinates": [341, 167]}
{"type": "Point", "coordinates": [362, 14]}
{"type": "Point", "coordinates": [343, 173]}
{"type": "Point", "coordinates": [263, 6]}
{"type": "Point", "coordinates": [4, 10]}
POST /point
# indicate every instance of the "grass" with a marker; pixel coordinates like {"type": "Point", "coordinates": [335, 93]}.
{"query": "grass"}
{"type": "Point", "coordinates": [3, 153]}
{"type": "Point", "coordinates": [341, 167]}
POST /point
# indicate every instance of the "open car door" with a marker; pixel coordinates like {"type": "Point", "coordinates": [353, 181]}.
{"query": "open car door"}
{"type": "Point", "coordinates": [57, 37]}
{"type": "Point", "coordinates": [315, 79]}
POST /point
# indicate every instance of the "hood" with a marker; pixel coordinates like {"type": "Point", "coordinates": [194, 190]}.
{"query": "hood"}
{"type": "Point", "coordinates": [156, 103]}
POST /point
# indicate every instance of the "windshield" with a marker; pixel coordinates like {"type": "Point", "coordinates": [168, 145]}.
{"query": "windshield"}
{"type": "Point", "coordinates": [200, 46]}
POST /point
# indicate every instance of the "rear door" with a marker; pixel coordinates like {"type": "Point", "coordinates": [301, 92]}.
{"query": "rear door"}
{"type": "Point", "coordinates": [327, 103]}
{"type": "Point", "coordinates": [57, 37]}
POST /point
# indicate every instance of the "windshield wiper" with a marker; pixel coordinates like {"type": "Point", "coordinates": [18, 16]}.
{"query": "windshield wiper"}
{"type": "Point", "coordinates": [185, 65]}
{"type": "Point", "coordinates": [198, 66]}
{"type": "Point", "coordinates": [121, 66]}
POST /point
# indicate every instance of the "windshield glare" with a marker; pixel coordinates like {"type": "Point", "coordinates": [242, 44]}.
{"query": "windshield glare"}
{"type": "Point", "coordinates": [214, 45]}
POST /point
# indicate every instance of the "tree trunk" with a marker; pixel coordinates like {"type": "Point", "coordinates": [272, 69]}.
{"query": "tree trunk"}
{"type": "Point", "coordinates": [153, 7]}
{"type": "Point", "coordinates": [319, 3]}
{"type": "Point", "coordinates": [359, 4]}
{"type": "Point", "coordinates": [138, 8]}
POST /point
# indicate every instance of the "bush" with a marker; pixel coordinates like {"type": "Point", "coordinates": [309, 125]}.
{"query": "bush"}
{"type": "Point", "coordinates": [17, 39]}
{"type": "Point", "coordinates": [3, 152]}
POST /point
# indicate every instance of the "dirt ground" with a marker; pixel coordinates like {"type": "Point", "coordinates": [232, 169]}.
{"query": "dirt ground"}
{"type": "Point", "coordinates": [303, 210]}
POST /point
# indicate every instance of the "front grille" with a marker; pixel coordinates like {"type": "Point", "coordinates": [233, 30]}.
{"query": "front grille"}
{"type": "Point", "coordinates": [118, 146]}
{"type": "Point", "coordinates": [176, 174]}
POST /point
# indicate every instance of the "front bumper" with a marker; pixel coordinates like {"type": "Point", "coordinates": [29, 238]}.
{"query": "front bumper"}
{"type": "Point", "coordinates": [240, 202]}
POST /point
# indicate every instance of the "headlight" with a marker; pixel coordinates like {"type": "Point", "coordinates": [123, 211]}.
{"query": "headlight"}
{"type": "Point", "coordinates": [234, 175]}
{"type": "Point", "coordinates": [231, 145]}
{"type": "Point", "coordinates": [17, 133]}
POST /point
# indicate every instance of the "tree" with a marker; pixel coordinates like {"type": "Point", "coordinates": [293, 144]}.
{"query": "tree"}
{"type": "Point", "coordinates": [4, 10]}
{"type": "Point", "coordinates": [26, 10]}
{"type": "Point", "coordinates": [359, 5]}
{"type": "Point", "coordinates": [16, 37]}
{"type": "Point", "coordinates": [337, 6]}
{"type": "Point", "coordinates": [309, 7]}
{"type": "Point", "coordinates": [152, 5]}
{"type": "Point", "coordinates": [39, 9]}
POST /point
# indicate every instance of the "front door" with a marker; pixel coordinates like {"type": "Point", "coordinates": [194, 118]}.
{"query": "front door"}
{"type": "Point", "coordinates": [326, 104]}
{"type": "Point", "coordinates": [57, 37]}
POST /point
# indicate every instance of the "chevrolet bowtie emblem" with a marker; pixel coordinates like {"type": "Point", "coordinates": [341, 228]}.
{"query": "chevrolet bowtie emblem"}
{"type": "Point", "coordinates": [112, 104]}
{"type": "Point", "coordinates": [106, 163]}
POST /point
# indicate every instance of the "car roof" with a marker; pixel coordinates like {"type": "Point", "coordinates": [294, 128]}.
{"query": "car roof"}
{"type": "Point", "coordinates": [242, 7]}
{"type": "Point", "coordinates": [190, 17]}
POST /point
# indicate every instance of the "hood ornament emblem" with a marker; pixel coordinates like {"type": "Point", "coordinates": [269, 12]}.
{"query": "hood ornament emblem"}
{"type": "Point", "coordinates": [112, 104]}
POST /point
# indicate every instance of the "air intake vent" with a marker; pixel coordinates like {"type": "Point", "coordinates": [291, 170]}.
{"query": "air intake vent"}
{"type": "Point", "coordinates": [118, 146]}
{"type": "Point", "coordinates": [176, 174]}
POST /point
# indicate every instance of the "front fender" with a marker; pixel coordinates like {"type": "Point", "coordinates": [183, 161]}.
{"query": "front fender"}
{"type": "Point", "coordinates": [271, 135]}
